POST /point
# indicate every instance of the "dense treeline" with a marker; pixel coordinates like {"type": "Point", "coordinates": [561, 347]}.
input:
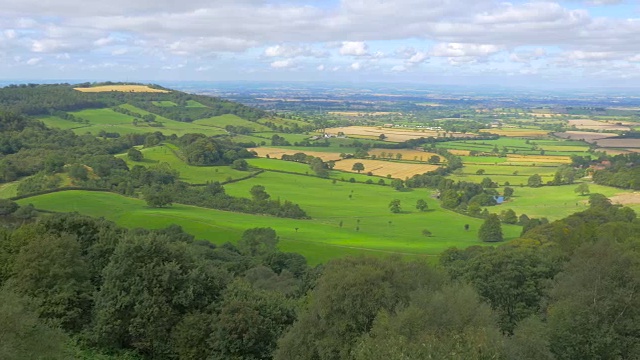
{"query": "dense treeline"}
{"type": "Point", "coordinates": [51, 99]}
{"type": "Point", "coordinates": [623, 171]}
{"type": "Point", "coordinates": [90, 289]}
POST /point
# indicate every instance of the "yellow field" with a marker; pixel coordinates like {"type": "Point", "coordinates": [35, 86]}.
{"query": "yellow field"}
{"type": "Point", "coordinates": [410, 155]}
{"type": "Point", "coordinates": [384, 168]}
{"type": "Point", "coordinates": [459, 152]}
{"type": "Point", "coordinates": [514, 132]}
{"type": "Point", "coordinates": [538, 159]}
{"type": "Point", "coordinates": [276, 153]}
{"type": "Point", "coordinates": [121, 88]}
{"type": "Point", "coordinates": [392, 134]}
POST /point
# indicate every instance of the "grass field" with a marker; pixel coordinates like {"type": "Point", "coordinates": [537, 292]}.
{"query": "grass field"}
{"type": "Point", "coordinates": [191, 174]}
{"type": "Point", "coordinates": [303, 169]}
{"type": "Point", "coordinates": [368, 226]}
{"type": "Point", "coordinates": [399, 170]}
{"type": "Point", "coordinates": [555, 202]}
{"type": "Point", "coordinates": [164, 103]}
{"type": "Point", "coordinates": [110, 121]}
{"type": "Point", "coordinates": [9, 189]}
{"type": "Point", "coordinates": [229, 119]}
{"type": "Point", "coordinates": [121, 88]}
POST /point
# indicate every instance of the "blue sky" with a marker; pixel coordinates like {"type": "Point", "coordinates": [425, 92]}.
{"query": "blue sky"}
{"type": "Point", "coordinates": [545, 43]}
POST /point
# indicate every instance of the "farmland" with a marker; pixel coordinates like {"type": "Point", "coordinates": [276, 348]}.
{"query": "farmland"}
{"type": "Point", "coordinates": [391, 134]}
{"type": "Point", "coordinates": [121, 88]}
{"type": "Point", "coordinates": [395, 169]}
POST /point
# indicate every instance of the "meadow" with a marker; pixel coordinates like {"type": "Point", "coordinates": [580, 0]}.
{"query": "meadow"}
{"type": "Point", "coordinates": [230, 119]}
{"type": "Point", "coordinates": [347, 218]}
{"type": "Point", "coordinates": [114, 122]}
{"type": "Point", "coordinates": [192, 174]}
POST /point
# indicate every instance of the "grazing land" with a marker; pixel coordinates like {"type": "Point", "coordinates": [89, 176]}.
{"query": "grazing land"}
{"type": "Point", "coordinates": [391, 134]}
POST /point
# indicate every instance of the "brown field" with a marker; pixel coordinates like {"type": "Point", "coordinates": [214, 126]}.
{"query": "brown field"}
{"type": "Point", "coordinates": [392, 134]}
{"type": "Point", "coordinates": [383, 168]}
{"type": "Point", "coordinates": [583, 135]}
{"type": "Point", "coordinates": [619, 143]}
{"type": "Point", "coordinates": [538, 159]}
{"type": "Point", "coordinates": [409, 155]}
{"type": "Point", "coordinates": [597, 125]}
{"type": "Point", "coordinates": [121, 88]}
{"type": "Point", "coordinates": [626, 198]}
{"type": "Point", "coordinates": [459, 152]}
{"type": "Point", "coordinates": [276, 153]}
{"type": "Point", "coordinates": [618, 151]}
{"type": "Point", "coordinates": [514, 132]}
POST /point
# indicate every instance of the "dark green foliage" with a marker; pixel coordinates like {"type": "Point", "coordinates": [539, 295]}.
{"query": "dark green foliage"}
{"type": "Point", "coordinates": [135, 154]}
{"type": "Point", "coordinates": [78, 172]}
{"type": "Point", "coordinates": [240, 164]}
{"type": "Point", "coordinates": [491, 229]}
{"type": "Point", "coordinates": [24, 336]}
{"type": "Point", "coordinates": [394, 206]}
{"type": "Point", "coordinates": [508, 192]}
{"type": "Point", "coordinates": [7, 207]}
{"type": "Point", "coordinates": [534, 181]}
{"type": "Point", "coordinates": [344, 304]}
{"type": "Point", "coordinates": [422, 205]}
{"type": "Point", "coordinates": [508, 216]}
{"type": "Point", "coordinates": [258, 241]}
{"type": "Point", "coordinates": [357, 167]}
{"type": "Point", "coordinates": [594, 312]}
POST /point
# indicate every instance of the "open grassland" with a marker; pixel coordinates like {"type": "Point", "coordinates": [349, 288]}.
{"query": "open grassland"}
{"type": "Point", "coordinates": [368, 226]}
{"type": "Point", "coordinates": [230, 119]}
{"type": "Point", "coordinates": [398, 170]}
{"type": "Point", "coordinates": [516, 132]}
{"type": "Point", "coordinates": [391, 134]}
{"type": "Point", "coordinates": [283, 122]}
{"type": "Point", "coordinates": [191, 174]}
{"type": "Point", "coordinates": [114, 122]}
{"type": "Point", "coordinates": [121, 88]}
{"type": "Point", "coordinates": [304, 169]}
{"type": "Point", "coordinates": [164, 103]}
{"type": "Point", "coordinates": [556, 202]}
{"type": "Point", "coordinates": [195, 104]}
{"type": "Point", "coordinates": [519, 146]}
{"type": "Point", "coordinates": [9, 189]}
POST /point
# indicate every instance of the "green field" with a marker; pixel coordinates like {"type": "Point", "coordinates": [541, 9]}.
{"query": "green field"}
{"type": "Point", "coordinates": [320, 239]}
{"type": "Point", "coordinates": [164, 103]}
{"type": "Point", "coordinates": [229, 119]}
{"type": "Point", "coordinates": [191, 174]}
{"type": "Point", "coordinates": [304, 169]}
{"type": "Point", "coordinates": [195, 104]}
{"type": "Point", "coordinates": [555, 202]}
{"type": "Point", "coordinates": [110, 121]}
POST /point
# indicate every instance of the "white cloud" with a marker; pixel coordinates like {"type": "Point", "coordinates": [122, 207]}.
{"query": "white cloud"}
{"type": "Point", "coordinates": [34, 61]}
{"type": "Point", "coordinates": [320, 67]}
{"type": "Point", "coordinates": [289, 51]}
{"type": "Point", "coordinates": [356, 66]}
{"type": "Point", "coordinates": [282, 64]}
{"type": "Point", "coordinates": [464, 50]}
{"type": "Point", "coordinates": [354, 48]}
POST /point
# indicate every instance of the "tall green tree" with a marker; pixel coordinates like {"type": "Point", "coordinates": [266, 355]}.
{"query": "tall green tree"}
{"type": "Point", "coordinates": [394, 206]}
{"type": "Point", "coordinates": [491, 229]}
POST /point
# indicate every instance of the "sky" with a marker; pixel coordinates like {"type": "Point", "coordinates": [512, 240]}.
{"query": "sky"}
{"type": "Point", "coordinates": [558, 43]}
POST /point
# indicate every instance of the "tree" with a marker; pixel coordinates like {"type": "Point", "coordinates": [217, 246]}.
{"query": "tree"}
{"type": "Point", "coordinates": [509, 216]}
{"type": "Point", "coordinates": [422, 205]}
{"type": "Point", "coordinates": [599, 201]}
{"type": "Point", "coordinates": [78, 172]}
{"type": "Point", "coordinates": [258, 241]}
{"type": "Point", "coordinates": [135, 155]}
{"type": "Point", "coordinates": [508, 192]}
{"type": "Point", "coordinates": [491, 229]}
{"type": "Point", "coordinates": [480, 172]}
{"type": "Point", "coordinates": [399, 156]}
{"type": "Point", "coordinates": [397, 184]}
{"type": "Point", "coordinates": [394, 206]}
{"type": "Point", "coordinates": [426, 232]}
{"type": "Point", "coordinates": [382, 136]}
{"type": "Point", "coordinates": [534, 181]}
{"type": "Point", "coordinates": [434, 159]}
{"type": "Point", "coordinates": [240, 164]}
{"type": "Point", "coordinates": [259, 194]}
{"type": "Point", "coordinates": [7, 207]}
{"type": "Point", "coordinates": [582, 189]}
{"type": "Point", "coordinates": [157, 196]}
{"type": "Point", "coordinates": [358, 167]}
